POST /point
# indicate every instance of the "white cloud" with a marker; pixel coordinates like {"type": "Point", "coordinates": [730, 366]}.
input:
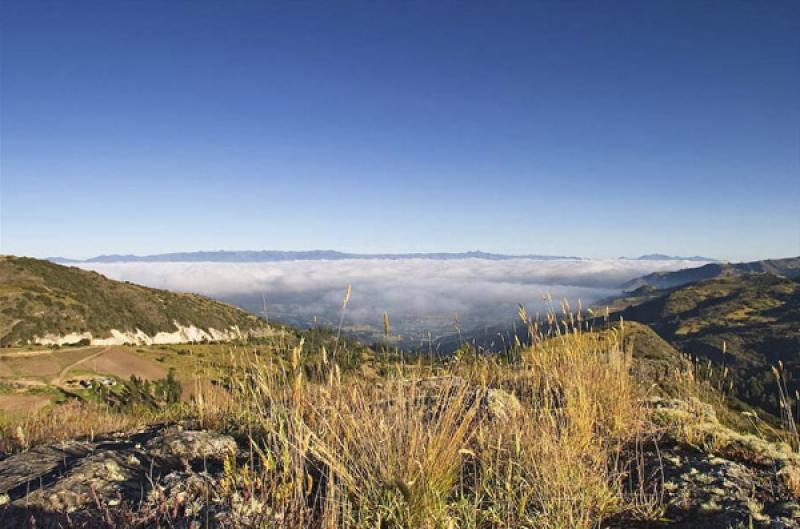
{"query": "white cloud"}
{"type": "Point", "coordinates": [412, 291]}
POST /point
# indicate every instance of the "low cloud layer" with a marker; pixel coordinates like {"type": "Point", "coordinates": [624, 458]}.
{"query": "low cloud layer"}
{"type": "Point", "coordinates": [419, 294]}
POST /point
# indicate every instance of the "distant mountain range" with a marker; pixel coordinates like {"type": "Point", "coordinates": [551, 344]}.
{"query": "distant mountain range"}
{"type": "Point", "coordinates": [662, 257]}
{"type": "Point", "coordinates": [260, 256]}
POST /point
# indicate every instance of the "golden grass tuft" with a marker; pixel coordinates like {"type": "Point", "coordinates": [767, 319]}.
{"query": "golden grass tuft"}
{"type": "Point", "coordinates": [67, 421]}
{"type": "Point", "coordinates": [422, 448]}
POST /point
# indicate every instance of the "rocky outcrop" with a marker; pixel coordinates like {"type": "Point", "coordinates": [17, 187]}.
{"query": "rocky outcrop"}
{"type": "Point", "coordinates": [499, 405]}
{"type": "Point", "coordinates": [709, 476]}
{"type": "Point", "coordinates": [172, 449]}
{"type": "Point", "coordinates": [78, 480]}
{"type": "Point", "coordinates": [713, 492]}
{"type": "Point", "coordinates": [493, 403]}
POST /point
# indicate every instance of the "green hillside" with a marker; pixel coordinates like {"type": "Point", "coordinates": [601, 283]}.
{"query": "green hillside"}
{"type": "Point", "coordinates": [756, 315]}
{"type": "Point", "coordinates": [789, 267]}
{"type": "Point", "coordinates": [39, 297]}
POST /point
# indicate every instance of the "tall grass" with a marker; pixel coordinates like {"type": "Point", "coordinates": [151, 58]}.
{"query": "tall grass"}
{"type": "Point", "coordinates": [787, 401]}
{"type": "Point", "coordinates": [479, 442]}
{"type": "Point", "coordinates": [67, 421]}
{"type": "Point", "coordinates": [546, 438]}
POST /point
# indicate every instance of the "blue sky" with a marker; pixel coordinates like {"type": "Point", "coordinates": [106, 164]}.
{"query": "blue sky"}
{"type": "Point", "coordinates": [582, 128]}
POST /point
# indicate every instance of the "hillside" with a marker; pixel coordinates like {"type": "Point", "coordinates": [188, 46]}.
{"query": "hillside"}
{"type": "Point", "coordinates": [43, 302]}
{"type": "Point", "coordinates": [756, 315]}
{"type": "Point", "coordinates": [789, 267]}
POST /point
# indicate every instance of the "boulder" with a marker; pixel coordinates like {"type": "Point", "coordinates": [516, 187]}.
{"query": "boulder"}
{"type": "Point", "coordinates": [49, 482]}
{"type": "Point", "coordinates": [185, 447]}
{"type": "Point", "coordinates": [500, 405]}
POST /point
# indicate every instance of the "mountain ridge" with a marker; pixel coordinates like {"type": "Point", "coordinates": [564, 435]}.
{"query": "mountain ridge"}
{"type": "Point", "coordinates": [664, 257]}
{"type": "Point", "coordinates": [287, 255]}
{"type": "Point", "coordinates": [787, 267]}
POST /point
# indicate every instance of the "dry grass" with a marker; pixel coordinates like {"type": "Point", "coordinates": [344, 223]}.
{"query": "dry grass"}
{"type": "Point", "coordinates": [545, 441]}
{"type": "Point", "coordinates": [68, 421]}
{"type": "Point", "coordinates": [789, 415]}
{"type": "Point", "coordinates": [439, 445]}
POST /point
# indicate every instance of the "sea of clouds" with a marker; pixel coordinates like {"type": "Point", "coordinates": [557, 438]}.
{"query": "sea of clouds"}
{"type": "Point", "coordinates": [419, 294]}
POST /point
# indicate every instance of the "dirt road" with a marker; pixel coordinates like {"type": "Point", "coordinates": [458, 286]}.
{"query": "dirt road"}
{"type": "Point", "coordinates": [59, 379]}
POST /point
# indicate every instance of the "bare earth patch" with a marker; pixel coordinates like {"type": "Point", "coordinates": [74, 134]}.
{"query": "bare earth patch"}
{"type": "Point", "coordinates": [42, 365]}
{"type": "Point", "coordinates": [5, 369]}
{"type": "Point", "coordinates": [22, 403]}
{"type": "Point", "coordinates": [122, 364]}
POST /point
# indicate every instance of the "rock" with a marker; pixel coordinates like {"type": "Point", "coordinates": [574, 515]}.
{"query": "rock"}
{"type": "Point", "coordinates": [35, 468]}
{"type": "Point", "coordinates": [495, 404]}
{"type": "Point", "coordinates": [181, 448]}
{"type": "Point", "coordinates": [727, 481]}
{"type": "Point", "coordinates": [103, 476]}
{"type": "Point", "coordinates": [166, 476]}
{"type": "Point", "coordinates": [499, 405]}
{"type": "Point", "coordinates": [50, 481]}
{"type": "Point", "coordinates": [702, 490]}
{"type": "Point", "coordinates": [678, 409]}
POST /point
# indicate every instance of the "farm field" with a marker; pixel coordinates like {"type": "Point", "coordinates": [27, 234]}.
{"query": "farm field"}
{"type": "Point", "coordinates": [33, 378]}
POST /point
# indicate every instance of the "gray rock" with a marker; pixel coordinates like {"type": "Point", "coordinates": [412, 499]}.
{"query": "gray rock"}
{"type": "Point", "coordinates": [22, 473]}
{"type": "Point", "coordinates": [103, 476]}
{"type": "Point", "coordinates": [47, 482]}
{"type": "Point", "coordinates": [714, 492]}
{"type": "Point", "coordinates": [499, 405]}
{"type": "Point", "coordinates": [171, 477]}
{"type": "Point", "coordinates": [183, 447]}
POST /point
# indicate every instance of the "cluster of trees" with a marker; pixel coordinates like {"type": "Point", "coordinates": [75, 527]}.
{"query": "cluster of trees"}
{"type": "Point", "coordinates": [140, 393]}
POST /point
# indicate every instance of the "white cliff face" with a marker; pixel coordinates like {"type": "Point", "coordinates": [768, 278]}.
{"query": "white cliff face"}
{"type": "Point", "coordinates": [182, 334]}
{"type": "Point", "coordinates": [54, 339]}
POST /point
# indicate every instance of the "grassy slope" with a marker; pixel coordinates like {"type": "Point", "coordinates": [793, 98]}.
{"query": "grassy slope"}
{"type": "Point", "coordinates": [39, 297]}
{"type": "Point", "coordinates": [789, 267]}
{"type": "Point", "coordinates": [755, 314]}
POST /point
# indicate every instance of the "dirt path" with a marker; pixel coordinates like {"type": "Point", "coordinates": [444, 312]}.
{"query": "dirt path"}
{"type": "Point", "coordinates": [58, 380]}
{"type": "Point", "coordinates": [29, 383]}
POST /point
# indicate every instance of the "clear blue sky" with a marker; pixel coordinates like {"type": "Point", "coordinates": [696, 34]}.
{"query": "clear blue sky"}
{"type": "Point", "coordinates": [584, 128]}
